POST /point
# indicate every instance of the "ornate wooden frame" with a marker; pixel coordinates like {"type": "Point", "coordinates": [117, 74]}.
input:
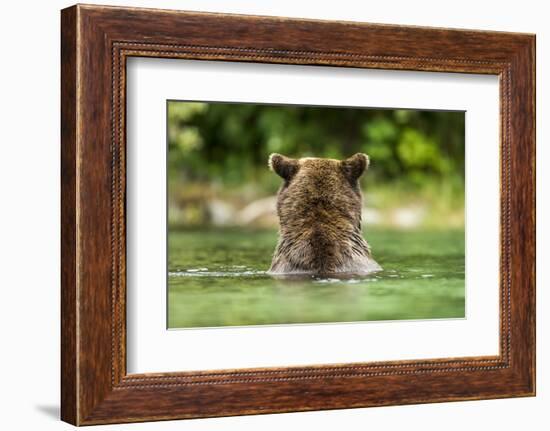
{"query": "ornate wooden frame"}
{"type": "Point", "coordinates": [95, 43]}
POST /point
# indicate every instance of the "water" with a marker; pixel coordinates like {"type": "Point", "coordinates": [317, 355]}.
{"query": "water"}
{"type": "Point", "coordinates": [218, 278]}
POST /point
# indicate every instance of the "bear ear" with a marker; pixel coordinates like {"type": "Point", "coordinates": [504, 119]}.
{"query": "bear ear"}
{"type": "Point", "coordinates": [283, 166]}
{"type": "Point", "coordinates": [355, 166]}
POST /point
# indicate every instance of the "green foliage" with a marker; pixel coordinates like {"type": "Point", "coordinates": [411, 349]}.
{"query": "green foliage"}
{"type": "Point", "coordinates": [229, 144]}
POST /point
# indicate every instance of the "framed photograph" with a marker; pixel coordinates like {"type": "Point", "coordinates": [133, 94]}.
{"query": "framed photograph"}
{"type": "Point", "coordinates": [265, 215]}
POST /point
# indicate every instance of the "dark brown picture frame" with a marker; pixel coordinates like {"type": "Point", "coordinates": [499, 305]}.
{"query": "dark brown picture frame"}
{"type": "Point", "coordinates": [95, 44]}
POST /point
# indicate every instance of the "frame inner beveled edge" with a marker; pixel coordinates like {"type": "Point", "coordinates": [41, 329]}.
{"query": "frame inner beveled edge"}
{"type": "Point", "coordinates": [123, 49]}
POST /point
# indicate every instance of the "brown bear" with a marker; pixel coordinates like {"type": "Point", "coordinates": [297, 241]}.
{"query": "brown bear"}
{"type": "Point", "coordinates": [319, 209]}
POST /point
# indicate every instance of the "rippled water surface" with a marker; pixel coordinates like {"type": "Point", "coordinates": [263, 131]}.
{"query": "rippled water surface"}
{"type": "Point", "coordinates": [218, 278]}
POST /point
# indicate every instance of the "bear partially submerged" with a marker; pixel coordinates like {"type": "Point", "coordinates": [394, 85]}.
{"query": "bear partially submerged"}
{"type": "Point", "coordinates": [319, 209]}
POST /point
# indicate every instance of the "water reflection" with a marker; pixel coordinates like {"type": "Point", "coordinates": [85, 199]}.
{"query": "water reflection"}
{"type": "Point", "coordinates": [219, 278]}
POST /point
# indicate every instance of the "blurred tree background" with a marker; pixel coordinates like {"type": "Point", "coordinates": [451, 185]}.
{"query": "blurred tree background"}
{"type": "Point", "coordinates": [218, 152]}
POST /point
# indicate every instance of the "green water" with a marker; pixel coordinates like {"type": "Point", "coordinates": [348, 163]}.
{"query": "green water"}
{"type": "Point", "coordinates": [217, 278]}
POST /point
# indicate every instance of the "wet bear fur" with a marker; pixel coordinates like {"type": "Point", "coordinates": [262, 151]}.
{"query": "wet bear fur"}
{"type": "Point", "coordinates": [319, 209]}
